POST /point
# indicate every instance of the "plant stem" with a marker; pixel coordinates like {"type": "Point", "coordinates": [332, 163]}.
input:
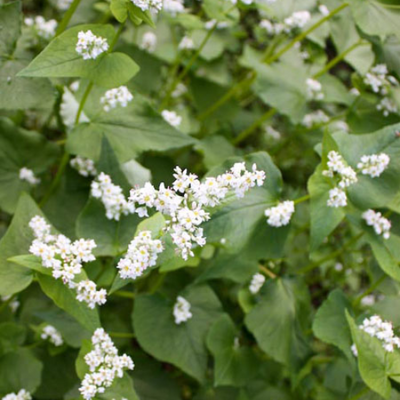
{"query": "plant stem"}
{"type": "Point", "coordinates": [267, 271]}
{"type": "Point", "coordinates": [337, 59]}
{"type": "Point", "coordinates": [188, 66]}
{"type": "Point", "coordinates": [302, 199]}
{"type": "Point", "coordinates": [248, 80]}
{"type": "Point", "coordinates": [67, 17]}
{"type": "Point", "coordinates": [125, 294]}
{"type": "Point", "coordinates": [304, 34]}
{"type": "Point", "coordinates": [335, 254]}
{"type": "Point", "coordinates": [357, 301]}
{"type": "Point", "coordinates": [83, 102]}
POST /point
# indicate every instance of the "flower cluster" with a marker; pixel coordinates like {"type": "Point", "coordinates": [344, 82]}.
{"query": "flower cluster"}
{"type": "Point", "coordinates": [21, 395]}
{"type": "Point", "coordinates": [296, 21]}
{"type": "Point", "coordinates": [90, 46]}
{"type": "Point", "coordinates": [44, 29]}
{"type": "Point", "coordinates": [111, 196]}
{"type": "Point", "coordinates": [380, 82]}
{"type": "Point", "coordinates": [145, 5]}
{"type": "Point", "coordinates": [380, 224]}
{"type": "Point", "coordinates": [105, 365]}
{"type": "Point", "coordinates": [85, 166]}
{"type": "Point", "coordinates": [116, 97]}
{"type": "Point", "coordinates": [382, 330]}
{"type": "Point", "coordinates": [149, 42]}
{"type": "Point", "coordinates": [314, 89]}
{"type": "Point", "coordinates": [64, 5]}
{"type": "Point", "coordinates": [186, 43]}
{"type": "Point", "coordinates": [64, 257]}
{"type": "Point", "coordinates": [182, 310]}
{"type": "Point", "coordinates": [184, 203]}
{"type": "Point", "coordinates": [53, 335]}
{"type": "Point", "coordinates": [257, 281]}
{"type": "Point", "coordinates": [87, 292]}
{"type": "Point", "coordinates": [172, 118]}
{"type": "Point", "coordinates": [281, 214]}
{"type": "Point", "coordinates": [26, 174]}
{"type": "Point", "coordinates": [316, 118]}
{"type": "Point", "coordinates": [346, 177]}
{"type": "Point", "coordinates": [373, 165]}
{"type": "Point", "coordinates": [142, 254]}
{"type": "Point", "coordinates": [179, 91]}
{"type": "Point", "coordinates": [173, 7]}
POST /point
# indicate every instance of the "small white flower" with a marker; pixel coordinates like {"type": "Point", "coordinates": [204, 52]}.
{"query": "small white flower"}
{"type": "Point", "coordinates": [337, 198]}
{"type": "Point", "coordinates": [272, 133]}
{"type": "Point", "coordinates": [149, 42]}
{"type": "Point", "coordinates": [21, 395]}
{"type": "Point", "coordinates": [84, 166]}
{"type": "Point", "coordinates": [298, 19]}
{"type": "Point", "coordinates": [380, 224]}
{"type": "Point", "coordinates": [173, 7]}
{"type": "Point", "coordinates": [44, 29]}
{"type": "Point", "coordinates": [186, 43]}
{"type": "Point", "coordinates": [145, 5]}
{"type": "Point", "coordinates": [179, 91]}
{"type": "Point", "coordinates": [316, 118]}
{"type": "Point", "coordinates": [116, 97]}
{"type": "Point", "coordinates": [172, 118]}
{"type": "Point", "coordinates": [323, 9]}
{"type": "Point", "coordinates": [374, 165]}
{"type": "Point", "coordinates": [26, 174]}
{"type": "Point", "coordinates": [53, 335]}
{"type": "Point", "coordinates": [314, 89]}
{"type": "Point", "coordinates": [354, 350]}
{"type": "Point", "coordinates": [387, 106]}
{"type": "Point", "coordinates": [281, 214]}
{"type": "Point", "coordinates": [182, 310]}
{"type": "Point", "coordinates": [64, 5]}
{"type": "Point", "coordinates": [257, 281]}
{"type": "Point", "coordinates": [90, 46]}
{"type": "Point", "coordinates": [14, 304]}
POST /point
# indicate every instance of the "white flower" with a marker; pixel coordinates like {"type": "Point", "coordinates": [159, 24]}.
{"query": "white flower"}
{"type": "Point", "coordinates": [21, 395]}
{"type": "Point", "coordinates": [220, 25]}
{"type": "Point", "coordinates": [314, 89]}
{"type": "Point", "coordinates": [149, 42]}
{"type": "Point", "coordinates": [172, 118]}
{"type": "Point", "coordinates": [337, 198]}
{"type": "Point", "coordinates": [186, 43]}
{"type": "Point", "coordinates": [381, 330]}
{"type": "Point", "coordinates": [84, 166]}
{"type": "Point", "coordinates": [179, 91]}
{"type": "Point", "coordinates": [54, 336]}
{"type": "Point", "coordinates": [116, 97]}
{"type": "Point", "coordinates": [316, 118]}
{"type": "Point", "coordinates": [257, 281]}
{"type": "Point", "coordinates": [297, 20]}
{"type": "Point", "coordinates": [64, 5]}
{"type": "Point", "coordinates": [90, 46]}
{"type": "Point", "coordinates": [44, 29]}
{"type": "Point", "coordinates": [354, 350]}
{"type": "Point", "coordinates": [182, 310]}
{"type": "Point", "coordinates": [368, 301]}
{"type": "Point", "coordinates": [63, 257]}
{"type": "Point", "coordinates": [111, 196]}
{"type": "Point", "coordinates": [88, 293]}
{"type": "Point", "coordinates": [105, 365]}
{"type": "Point", "coordinates": [387, 106]}
{"type": "Point", "coordinates": [26, 174]}
{"type": "Point", "coordinates": [272, 133]}
{"type": "Point", "coordinates": [281, 214]}
{"type": "Point", "coordinates": [374, 165]}
{"type": "Point", "coordinates": [323, 9]}
{"type": "Point", "coordinates": [380, 224]}
{"type": "Point", "coordinates": [173, 7]}
{"type": "Point", "coordinates": [13, 304]}
{"type": "Point", "coordinates": [145, 5]}
{"type": "Point", "coordinates": [142, 254]}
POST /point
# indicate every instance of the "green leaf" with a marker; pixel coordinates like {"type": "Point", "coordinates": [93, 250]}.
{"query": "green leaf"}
{"type": "Point", "coordinates": [182, 345]}
{"type": "Point", "coordinates": [220, 10]}
{"type": "Point", "coordinates": [373, 360]}
{"type": "Point", "coordinates": [65, 298]}
{"type": "Point", "coordinates": [20, 148]}
{"type": "Point", "coordinates": [32, 262]}
{"type": "Point", "coordinates": [19, 370]}
{"type": "Point", "coordinates": [60, 60]}
{"type": "Point", "coordinates": [10, 23]}
{"type": "Point", "coordinates": [17, 240]}
{"type": "Point", "coordinates": [280, 319]}
{"type": "Point", "coordinates": [11, 337]}
{"type": "Point", "coordinates": [119, 9]}
{"type": "Point", "coordinates": [374, 18]}
{"type": "Point", "coordinates": [330, 324]}
{"type": "Point", "coordinates": [130, 131]}
{"type": "Point", "coordinates": [324, 219]}
{"type": "Point", "coordinates": [235, 365]}
{"type": "Point", "coordinates": [242, 222]}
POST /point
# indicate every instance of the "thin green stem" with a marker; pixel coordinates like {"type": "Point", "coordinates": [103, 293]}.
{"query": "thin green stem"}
{"type": "Point", "coordinates": [83, 102]}
{"type": "Point", "coordinates": [247, 132]}
{"type": "Point", "coordinates": [67, 17]}
{"type": "Point", "coordinates": [304, 34]}
{"type": "Point", "coordinates": [266, 271]}
{"type": "Point", "coordinates": [302, 199]}
{"type": "Point", "coordinates": [374, 286]}
{"type": "Point", "coordinates": [330, 256]}
{"type": "Point", "coordinates": [125, 294]}
{"type": "Point", "coordinates": [116, 37]}
{"type": "Point", "coordinates": [337, 59]}
{"type": "Point", "coordinates": [188, 66]}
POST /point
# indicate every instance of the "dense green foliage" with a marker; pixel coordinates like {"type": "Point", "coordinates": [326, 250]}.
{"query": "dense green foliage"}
{"type": "Point", "coordinates": [239, 90]}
